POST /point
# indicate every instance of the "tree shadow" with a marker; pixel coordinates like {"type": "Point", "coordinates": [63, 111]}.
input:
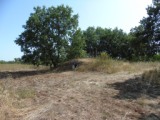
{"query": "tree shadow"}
{"type": "Point", "coordinates": [136, 87]}
{"type": "Point", "coordinates": [67, 66]}
{"type": "Point", "coordinates": [151, 116]}
{"type": "Point", "coordinates": [19, 74]}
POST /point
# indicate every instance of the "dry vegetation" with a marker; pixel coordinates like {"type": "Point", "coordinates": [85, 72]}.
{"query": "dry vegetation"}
{"type": "Point", "coordinates": [113, 66]}
{"type": "Point", "coordinates": [131, 92]}
{"type": "Point", "coordinates": [18, 67]}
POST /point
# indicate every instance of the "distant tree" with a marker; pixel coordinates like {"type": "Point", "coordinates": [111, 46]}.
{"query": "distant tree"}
{"type": "Point", "coordinates": [77, 45]}
{"type": "Point", "coordinates": [45, 39]}
{"type": "Point", "coordinates": [106, 42]}
{"type": "Point", "coordinates": [139, 44]}
{"type": "Point", "coordinates": [17, 60]}
{"type": "Point", "coordinates": [116, 43]}
{"type": "Point", "coordinates": [91, 39]}
{"type": "Point", "coordinates": [100, 32]}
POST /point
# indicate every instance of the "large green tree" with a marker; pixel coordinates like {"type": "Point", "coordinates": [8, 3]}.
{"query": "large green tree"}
{"type": "Point", "coordinates": [146, 42]}
{"type": "Point", "coordinates": [45, 39]}
{"type": "Point", "coordinates": [152, 26]}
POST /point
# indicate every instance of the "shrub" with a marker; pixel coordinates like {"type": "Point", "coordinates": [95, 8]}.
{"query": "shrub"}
{"type": "Point", "coordinates": [104, 56]}
{"type": "Point", "coordinates": [103, 63]}
{"type": "Point", "coordinates": [156, 57]}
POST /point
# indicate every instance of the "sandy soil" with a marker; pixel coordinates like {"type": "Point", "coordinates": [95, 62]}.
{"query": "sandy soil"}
{"type": "Point", "coordinates": [75, 95]}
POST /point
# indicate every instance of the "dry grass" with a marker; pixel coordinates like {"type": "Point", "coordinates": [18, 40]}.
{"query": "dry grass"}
{"type": "Point", "coordinates": [114, 66]}
{"type": "Point", "coordinates": [25, 93]}
{"type": "Point", "coordinates": [18, 67]}
{"type": "Point", "coordinates": [74, 95]}
{"type": "Point", "coordinates": [152, 77]}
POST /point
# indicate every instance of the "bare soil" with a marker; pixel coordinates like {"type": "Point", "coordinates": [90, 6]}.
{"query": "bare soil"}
{"type": "Point", "coordinates": [73, 95]}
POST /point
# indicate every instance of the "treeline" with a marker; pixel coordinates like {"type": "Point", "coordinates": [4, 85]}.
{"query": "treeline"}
{"type": "Point", "coordinates": [16, 60]}
{"type": "Point", "coordinates": [142, 43]}
{"type": "Point", "coordinates": [114, 42]}
{"type": "Point", "coordinates": [51, 36]}
{"type": "Point", "coordinates": [119, 44]}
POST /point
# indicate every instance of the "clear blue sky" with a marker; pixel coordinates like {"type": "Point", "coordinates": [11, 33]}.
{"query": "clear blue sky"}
{"type": "Point", "coordinates": [123, 14]}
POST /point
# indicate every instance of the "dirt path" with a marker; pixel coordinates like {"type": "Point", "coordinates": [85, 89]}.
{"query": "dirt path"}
{"type": "Point", "coordinates": [79, 96]}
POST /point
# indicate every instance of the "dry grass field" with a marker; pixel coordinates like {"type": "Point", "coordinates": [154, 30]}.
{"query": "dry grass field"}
{"type": "Point", "coordinates": [94, 91]}
{"type": "Point", "coordinates": [19, 67]}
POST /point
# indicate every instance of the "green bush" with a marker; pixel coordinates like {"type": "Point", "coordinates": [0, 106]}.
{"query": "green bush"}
{"type": "Point", "coordinates": [156, 57]}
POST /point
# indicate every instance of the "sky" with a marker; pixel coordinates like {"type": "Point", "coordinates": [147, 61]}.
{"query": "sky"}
{"type": "Point", "coordinates": [124, 14]}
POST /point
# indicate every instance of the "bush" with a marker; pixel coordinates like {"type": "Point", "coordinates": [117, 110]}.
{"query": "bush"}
{"type": "Point", "coordinates": [103, 60]}
{"type": "Point", "coordinates": [104, 63]}
{"type": "Point", "coordinates": [104, 56]}
{"type": "Point", "coordinates": [140, 58]}
{"type": "Point", "coordinates": [156, 57]}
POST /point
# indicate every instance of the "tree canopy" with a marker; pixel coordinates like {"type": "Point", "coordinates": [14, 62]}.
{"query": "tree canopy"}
{"type": "Point", "coordinates": [147, 34]}
{"type": "Point", "coordinates": [77, 45]}
{"type": "Point", "coordinates": [47, 34]}
{"type": "Point", "coordinates": [51, 36]}
{"type": "Point", "coordinates": [113, 41]}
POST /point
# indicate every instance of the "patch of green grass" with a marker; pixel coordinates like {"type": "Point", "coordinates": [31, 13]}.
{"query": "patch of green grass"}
{"type": "Point", "coordinates": [25, 93]}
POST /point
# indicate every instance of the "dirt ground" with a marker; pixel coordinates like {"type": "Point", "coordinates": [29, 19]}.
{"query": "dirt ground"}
{"type": "Point", "coordinates": [73, 95]}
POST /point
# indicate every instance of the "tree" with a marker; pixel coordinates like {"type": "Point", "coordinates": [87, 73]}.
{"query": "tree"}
{"type": "Point", "coordinates": [115, 42]}
{"type": "Point", "coordinates": [17, 60]}
{"type": "Point", "coordinates": [45, 39]}
{"type": "Point", "coordinates": [91, 39]}
{"type": "Point", "coordinates": [146, 41]}
{"type": "Point", "coordinates": [139, 43]}
{"type": "Point", "coordinates": [76, 49]}
{"type": "Point", "coordinates": [152, 26]}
